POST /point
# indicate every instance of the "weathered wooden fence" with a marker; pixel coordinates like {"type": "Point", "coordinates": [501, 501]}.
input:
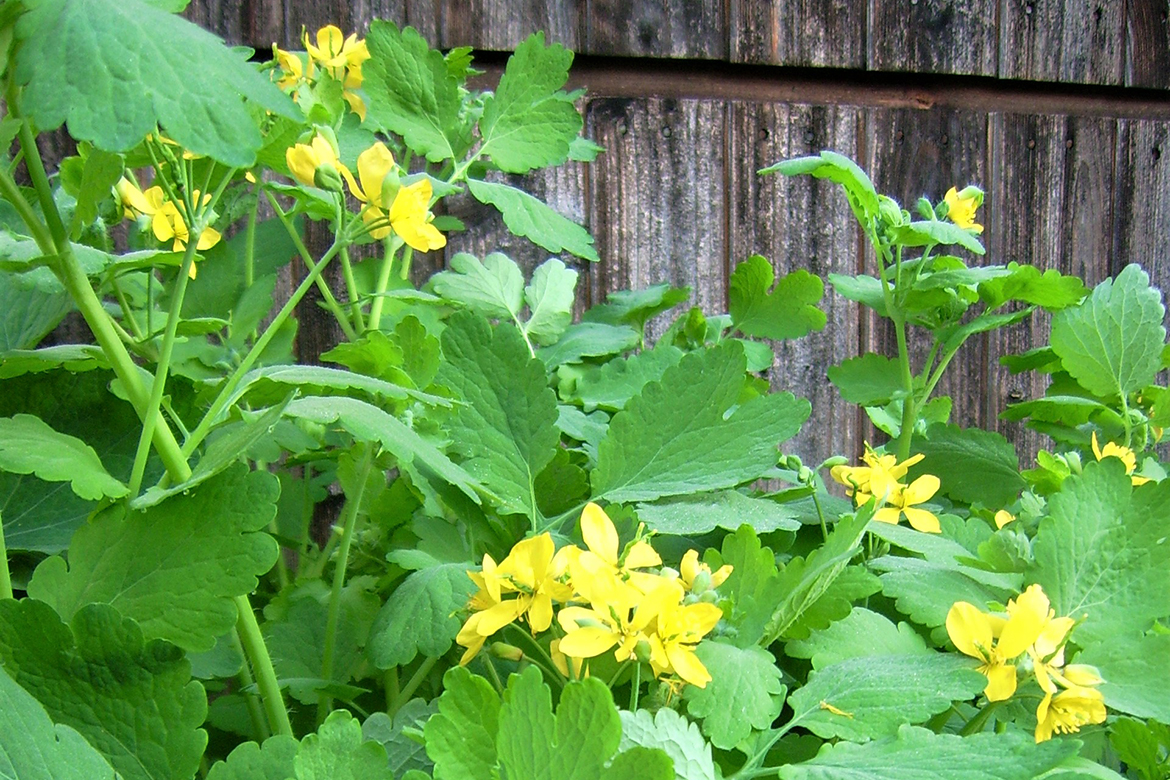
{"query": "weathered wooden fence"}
{"type": "Point", "coordinates": [1059, 110]}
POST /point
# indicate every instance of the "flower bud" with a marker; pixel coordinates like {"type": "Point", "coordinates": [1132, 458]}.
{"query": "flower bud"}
{"type": "Point", "coordinates": [805, 474]}
{"type": "Point", "coordinates": [836, 460]}
{"type": "Point", "coordinates": [642, 651]}
{"type": "Point", "coordinates": [701, 583]}
{"type": "Point", "coordinates": [506, 651]}
{"type": "Point", "coordinates": [327, 178]}
{"type": "Point", "coordinates": [390, 187]}
{"type": "Point", "coordinates": [709, 597]}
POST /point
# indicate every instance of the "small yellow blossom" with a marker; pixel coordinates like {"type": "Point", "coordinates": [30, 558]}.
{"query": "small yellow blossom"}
{"type": "Point", "coordinates": [995, 641]}
{"type": "Point", "coordinates": [590, 631]}
{"type": "Point", "coordinates": [1003, 517]}
{"type": "Point", "coordinates": [881, 477]}
{"type": "Point", "coordinates": [294, 71]}
{"type": "Point", "coordinates": [603, 564]}
{"type": "Point", "coordinates": [409, 213]}
{"type": "Point", "coordinates": [961, 208]}
{"type": "Point", "coordinates": [166, 221]}
{"type": "Point", "coordinates": [316, 164]}
{"type": "Point", "coordinates": [1122, 453]}
{"type": "Point", "coordinates": [691, 567]}
{"type": "Point", "coordinates": [679, 630]}
{"type": "Point", "coordinates": [335, 52]}
{"type": "Point", "coordinates": [1067, 711]}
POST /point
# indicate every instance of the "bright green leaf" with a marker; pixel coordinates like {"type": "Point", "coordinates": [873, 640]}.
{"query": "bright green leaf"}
{"type": "Point", "coordinates": [700, 513]}
{"type": "Point", "coordinates": [863, 198]}
{"type": "Point", "coordinates": [175, 568]}
{"type": "Point", "coordinates": [589, 339]}
{"type": "Point", "coordinates": [404, 752]}
{"type": "Point", "coordinates": [864, 289]}
{"type": "Point", "coordinates": [902, 580]}
{"type": "Point", "coordinates": [1048, 289]}
{"type": "Point", "coordinates": [863, 633]}
{"type": "Point", "coordinates": [616, 381]}
{"type": "Point", "coordinates": [271, 761]}
{"type": "Point", "coordinates": [870, 379]}
{"type": "Point", "coordinates": [1134, 669]}
{"type": "Point", "coordinates": [27, 315]}
{"type": "Point", "coordinates": [550, 298]}
{"type": "Point", "coordinates": [421, 615]}
{"type": "Point", "coordinates": [854, 583]}
{"type": "Point", "coordinates": [971, 464]}
{"type": "Point", "coordinates": [745, 693]}
{"type": "Point", "coordinates": [337, 751]}
{"type": "Point", "coordinates": [932, 232]}
{"type": "Point", "coordinates": [493, 288]}
{"type": "Point", "coordinates": [753, 586]}
{"type": "Point", "coordinates": [533, 219]}
{"type": "Point", "coordinates": [635, 307]}
{"type": "Point", "coordinates": [102, 171]}
{"type": "Point", "coordinates": [29, 446]}
{"type": "Point", "coordinates": [673, 734]}
{"type": "Point", "coordinates": [787, 312]}
{"type": "Point", "coordinates": [461, 738]}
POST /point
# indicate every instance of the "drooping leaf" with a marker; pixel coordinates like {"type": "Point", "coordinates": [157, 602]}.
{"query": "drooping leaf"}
{"type": "Point", "coordinates": [745, 693]}
{"type": "Point", "coordinates": [28, 314]}
{"type": "Point", "coordinates": [673, 437]}
{"type": "Point", "coordinates": [134, 701]}
{"type": "Point", "coordinates": [787, 312]}
{"type": "Point", "coordinates": [588, 339]}
{"type": "Point", "coordinates": [533, 219]}
{"type": "Point", "coordinates": [32, 747]}
{"type": "Point", "coordinates": [863, 198]}
{"type": "Point", "coordinates": [550, 297]}
{"type": "Point", "coordinates": [410, 92]}
{"type": "Point", "coordinates": [1101, 553]}
{"type": "Point", "coordinates": [76, 66]}
{"type": "Point", "coordinates": [421, 616]}
{"type": "Point", "coordinates": [871, 696]}
{"type": "Point", "coordinates": [271, 384]}
{"type": "Point", "coordinates": [635, 307]}
{"type": "Point", "coordinates": [700, 513]}
{"type": "Point", "coordinates": [528, 123]}
{"type": "Point", "coordinates": [971, 464]}
{"type": "Point", "coordinates": [673, 734]}
{"type": "Point", "coordinates": [1048, 289]}
{"type": "Point", "coordinates": [862, 633]}
{"type": "Point", "coordinates": [101, 172]}
{"type": "Point", "coordinates": [1133, 667]}
{"type": "Point", "coordinates": [931, 232]}
{"type": "Point", "coordinates": [1112, 343]}
{"type": "Point", "coordinates": [506, 429]}
{"type": "Point", "coordinates": [902, 579]}
{"type": "Point", "coordinates": [176, 567]}
{"type": "Point", "coordinates": [29, 446]}
{"type": "Point", "coordinates": [870, 379]}
{"type": "Point", "coordinates": [920, 754]}
{"type": "Point", "coordinates": [616, 381]}
{"type": "Point", "coordinates": [74, 358]}
{"type": "Point", "coordinates": [493, 288]}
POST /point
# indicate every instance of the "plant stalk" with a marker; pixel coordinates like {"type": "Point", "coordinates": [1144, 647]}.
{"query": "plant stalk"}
{"type": "Point", "coordinates": [5, 576]}
{"type": "Point", "coordinates": [412, 685]}
{"type": "Point", "coordinates": [257, 652]}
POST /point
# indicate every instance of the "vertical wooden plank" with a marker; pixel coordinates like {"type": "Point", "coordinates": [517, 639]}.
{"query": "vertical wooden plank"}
{"type": "Point", "coordinates": [801, 222]}
{"type": "Point", "coordinates": [916, 154]}
{"type": "Point", "coordinates": [484, 24]}
{"type": "Point", "coordinates": [1147, 37]}
{"type": "Point", "coordinates": [1142, 232]}
{"type": "Point", "coordinates": [933, 36]}
{"type": "Point", "coordinates": [1061, 40]}
{"type": "Point", "coordinates": [809, 33]}
{"type": "Point", "coordinates": [1051, 206]}
{"type": "Point", "coordinates": [657, 198]}
{"type": "Point", "coordinates": [695, 29]}
{"type": "Point", "coordinates": [229, 20]}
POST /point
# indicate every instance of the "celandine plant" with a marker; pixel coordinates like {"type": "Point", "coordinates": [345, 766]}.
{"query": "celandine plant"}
{"type": "Point", "coordinates": [553, 555]}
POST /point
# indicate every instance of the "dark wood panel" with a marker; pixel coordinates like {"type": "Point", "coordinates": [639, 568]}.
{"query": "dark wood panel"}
{"type": "Point", "coordinates": [804, 223]}
{"type": "Point", "coordinates": [1147, 36]}
{"type": "Point", "coordinates": [799, 32]}
{"type": "Point", "coordinates": [933, 36]}
{"type": "Point", "coordinates": [923, 154]}
{"type": "Point", "coordinates": [229, 19]}
{"type": "Point", "coordinates": [1051, 206]}
{"type": "Point", "coordinates": [695, 29]}
{"type": "Point", "coordinates": [1143, 200]}
{"type": "Point", "coordinates": [501, 25]}
{"type": "Point", "coordinates": [1078, 41]}
{"type": "Point", "coordinates": [657, 197]}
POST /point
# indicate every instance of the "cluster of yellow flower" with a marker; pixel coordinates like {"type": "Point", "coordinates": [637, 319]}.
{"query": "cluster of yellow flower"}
{"type": "Point", "coordinates": [880, 477]}
{"type": "Point", "coordinates": [338, 56]}
{"type": "Point", "coordinates": [607, 602]}
{"type": "Point", "coordinates": [317, 164]}
{"type": "Point", "coordinates": [1122, 453]}
{"type": "Point", "coordinates": [166, 221]}
{"type": "Point", "coordinates": [1030, 629]}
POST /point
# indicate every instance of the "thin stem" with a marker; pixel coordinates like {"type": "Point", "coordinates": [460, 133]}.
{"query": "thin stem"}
{"type": "Point", "coordinates": [493, 675]}
{"type": "Point", "coordinates": [976, 724]}
{"type": "Point", "coordinates": [355, 305]}
{"type": "Point", "coordinates": [253, 704]}
{"type": "Point", "coordinates": [127, 310]}
{"type": "Point", "coordinates": [412, 685]}
{"type": "Point", "coordinates": [909, 410]}
{"type": "Point", "coordinates": [391, 245]}
{"type": "Point", "coordinates": [750, 767]}
{"type": "Point", "coordinates": [820, 514]}
{"type": "Point", "coordinates": [634, 686]}
{"type": "Point", "coordinates": [257, 652]}
{"type": "Point", "coordinates": [546, 662]}
{"type": "Point", "coordinates": [390, 685]}
{"type": "Point", "coordinates": [5, 577]}
{"type": "Point", "coordinates": [250, 249]}
{"type": "Point", "coordinates": [613, 680]}
{"type": "Point", "coordinates": [352, 507]}
{"type": "Point", "coordinates": [12, 193]}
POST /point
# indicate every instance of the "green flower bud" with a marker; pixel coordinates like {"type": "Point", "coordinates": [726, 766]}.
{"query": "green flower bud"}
{"type": "Point", "coordinates": [709, 597]}
{"type": "Point", "coordinates": [327, 178]}
{"type": "Point", "coordinates": [390, 187]}
{"type": "Point", "coordinates": [702, 583]}
{"type": "Point", "coordinates": [836, 460]}
{"type": "Point", "coordinates": [506, 651]}
{"type": "Point", "coordinates": [642, 651]}
{"type": "Point", "coordinates": [805, 474]}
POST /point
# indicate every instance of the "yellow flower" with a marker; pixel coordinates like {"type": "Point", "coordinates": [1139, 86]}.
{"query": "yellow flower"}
{"type": "Point", "coordinates": [691, 568]}
{"type": "Point", "coordinates": [294, 71]}
{"type": "Point", "coordinates": [590, 631]}
{"type": "Point", "coordinates": [135, 202]}
{"type": "Point", "coordinates": [961, 207]}
{"type": "Point", "coordinates": [316, 164]}
{"type": "Point", "coordinates": [1067, 711]}
{"type": "Point", "coordinates": [679, 630]}
{"type": "Point", "coordinates": [166, 222]}
{"type": "Point", "coordinates": [409, 213]}
{"type": "Point", "coordinates": [336, 53]}
{"type": "Point", "coordinates": [1047, 652]}
{"type": "Point", "coordinates": [995, 641]}
{"type": "Point", "coordinates": [881, 477]}
{"type": "Point", "coordinates": [603, 566]}
{"type": "Point", "coordinates": [531, 570]}
{"type": "Point", "coordinates": [1003, 517]}
{"type": "Point", "coordinates": [1122, 453]}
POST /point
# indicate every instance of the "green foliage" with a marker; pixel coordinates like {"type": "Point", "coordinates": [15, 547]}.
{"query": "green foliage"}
{"type": "Point", "coordinates": [1142, 746]}
{"type": "Point", "coordinates": [973, 465]}
{"type": "Point", "coordinates": [421, 616]}
{"type": "Point", "coordinates": [27, 314]}
{"type": "Point", "coordinates": [700, 513]}
{"type": "Point", "coordinates": [529, 217]}
{"type": "Point", "coordinates": [461, 738]}
{"type": "Point", "coordinates": [29, 446]}
{"type": "Point", "coordinates": [860, 634]}
{"type": "Point", "coordinates": [615, 382]}
{"type": "Point", "coordinates": [1132, 666]}
{"type": "Point", "coordinates": [745, 694]}
{"type": "Point", "coordinates": [869, 379]}
{"type": "Point", "coordinates": [675, 736]}
{"type": "Point", "coordinates": [787, 312]}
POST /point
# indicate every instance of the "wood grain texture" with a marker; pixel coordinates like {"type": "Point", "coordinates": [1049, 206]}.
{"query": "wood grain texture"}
{"type": "Point", "coordinates": [801, 222]}
{"type": "Point", "coordinates": [696, 29]}
{"type": "Point", "coordinates": [501, 26]}
{"type": "Point", "coordinates": [1050, 206]}
{"type": "Point", "coordinates": [933, 36]}
{"type": "Point", "coordinates": [1147, 50]}
{"type": "Point", "coordinates": [1142, 210]}
{"type": "Point", "coordinates": [809, 33]}
{"type": "Point", "coordinates": [657, 198]}
{"type": "Point", "coordinates": [1071, 41]}
{"type": "Point", "coordinates": [923, 154]}
{"type": "Point", "coordinates": [229, 19]}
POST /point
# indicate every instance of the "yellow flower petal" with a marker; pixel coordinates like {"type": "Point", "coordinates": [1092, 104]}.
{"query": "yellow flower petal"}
{"type": "Point", "coordinates": [373, 166]}
{"type": "Point", "coordinates": [687, 665]}
{"type": "Point", "coordinates": [923, 520]}
{"type": "Point", "coordinates": [588, 642]}
{"type": "Point", "coordinates": [1001, 682]}
{"type": "Point", "coordinates": [969, 629]}
{"type": "Point", "coordinates": [641, 555]}
{"type": "Point", "coordinates": [1003, 517]}
{"type": "Point", "coordinates": [599, 533]}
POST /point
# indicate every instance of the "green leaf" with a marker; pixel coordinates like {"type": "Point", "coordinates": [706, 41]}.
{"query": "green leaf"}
{"type": "Point", "coordinates": [920, 754]}
{"type": "Point", "coordinates": [754, 585]}
{"type": "Point", "coordinates": [404, 752]}
{"type": "Point", "coordinates": [589, 339]}
{"type": "Point", "coordinates": [533, 219]}
{"type": "Point", "coordinates": [972, 465]}
{"type": "Point", "coordinates": [33, 748]}
{"type": "Point", "coordinates": [550, 298]}
{"type": "Point", "coordinates": [1112, 343]}
{"type": "Point", "coordinates": [1101, 553]}
{"type": "Point", "coordinates": [74, 358]}
{"type": "Point", "coordinates": [863, 633]}
{"type": "Point", "coordinates": [931, 232]}
{"type": "Point", "coordinates": [421, 616]}
{"type": "Point", "coordinates": [673, 734]}
{"type": "Point", "coordinates": [271, 384]}
{"type": "Point", "coordinates": [76, 66]}
{"type": "Point", "coordinates": [1134, 670]}
{"type": "Point", "coordinates": [410, 93]}
{"type": "Point", "coordinates": [528, 123]}
{"type": "Point", "coordinates": [700, 513]}
{"type": "Point", "coordinates": [902, 580]}
{"type": "Point", "coordinates": [879, 693]}
{"type": "Point", "coordinates": [869, 380]}
{"type": "Point", "coordinates": [29, 446]}
{"type": "Point", "coordinates": [640, 763]}
{"type": "Point", "coordinates": [461, 738]}
{"type": "Point", "coordinates": [220, 289]}
{"type": "Point", "coordinates": [175, 568]}
{"type": "Point", "coordinates": [1048, 289]}
{"type": "Point", "coordinates": [369, 423]}
{"type": "Point", "coordinates": [788, 312]}
{"type": "Point", "coordinates": [507, 428]}
{"type": "Point", "coordinates": [952, 337]}
{"type": "Point", "coordinates": [635, 307]}
{"type": "Point", "coordinates": [863, 198]}
{"type": "Point", "coordinates": [616, 381]}
{"type": "Point", "coordinates": [674, 438]}
{"type": "Point", "coordinates": [134, 701]}
{"type": "Point", "coordinates": [864, 289]}
{"type": "Point", "coordinates": [102, 171]}
{"type": "Point", "coordinates": [1140, 746]}
{"type": "Point", "coordinates": [493, 288]}
{"type": "Point", "coordinates": [338, 752]}
{"type": "Point", "coordinates": [854, 583]}
{"type": "Point", "coordinates": [746, 692]}
{"type": "Point", "coordinates": [804, 580]}
{"type": "Point", "coordinates": [271, 761]}
{"type": "Point", "coordinates": [27, 315]}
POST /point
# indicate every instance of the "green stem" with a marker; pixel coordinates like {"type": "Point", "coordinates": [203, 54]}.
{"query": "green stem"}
{"type": "Point", "coordinates": [255, 708]}
{"type": "Point", "coordinates": [153, 414]}
{"type": "Point", "coordinates": [5, 577]}
{"type": "Point", "coordinates": [390, 685]}
{"type": "Point", "coordinates": [493, 675]}
{"type": "Point", "coordinates": [355, 305]}
{"type": "Point", "coordinates": [751, 766]}
{"type": "Point", "coordinates": [909, 407]}
{"type": "Point", "coordinates": [352, 507]}
{"type": "Point", "coordinates": [546, 662]}
{"type": "Point", "coordinates": [127, 310]}
{"type": "Point", "coordinates": [307, 258]}
{"type": "Point", "coordinates": [976, 724]}
{"type": "Point", "coordinates": [613, 680]}
{"type": "Point", "coordinates": [1125, 419]}
{"type": "Point", "coordinates": [412, 685]}
{"type": "Point", "coordinates": [820, 514]}
{"type": "Point", "coordinates": [407, 257]}
{"type": "Point", "coordinates": [250, 250]}
{"type": "Point", "coordinates": [257, 652]}
{"type": "Point", "coordinates": [391, 249]}
{"type": "Point", "coordinates": [634, 686]}
{"type": "Point", "coordinates": [12, 193]}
